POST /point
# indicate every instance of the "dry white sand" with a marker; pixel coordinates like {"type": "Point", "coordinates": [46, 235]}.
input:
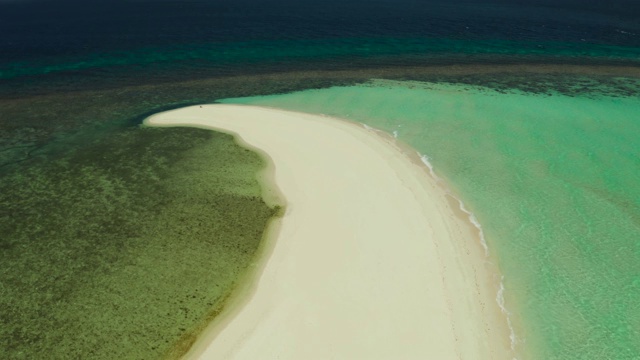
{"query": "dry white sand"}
{"type": "Point", "coordinates": [373, 260]}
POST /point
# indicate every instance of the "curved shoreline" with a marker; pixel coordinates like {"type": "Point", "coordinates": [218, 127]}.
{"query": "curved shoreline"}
{"type": "Point", "coordinates": [339, 282]}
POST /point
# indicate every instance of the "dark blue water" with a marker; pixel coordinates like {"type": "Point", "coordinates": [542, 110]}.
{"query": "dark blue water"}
{"type": "Point", "coordinates": [107, 40]}
{"type": "Point", "coordinates": [76, 78]}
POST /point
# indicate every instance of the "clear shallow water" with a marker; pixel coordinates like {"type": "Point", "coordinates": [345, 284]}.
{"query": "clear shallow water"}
{"type": "Point", "coordinates": [125, 248]}
{"type": "Point", "coordinates": [552, 180]}
{"type": "Point", "coordinates": [77, 77]}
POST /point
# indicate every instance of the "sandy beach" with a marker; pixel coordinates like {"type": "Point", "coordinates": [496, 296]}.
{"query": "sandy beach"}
{"type": "Point", "coordinates": [373, 258]}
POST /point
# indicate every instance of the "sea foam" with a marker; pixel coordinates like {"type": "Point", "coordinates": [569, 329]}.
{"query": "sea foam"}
{"type": "Point", "coordinates": [472, 218]}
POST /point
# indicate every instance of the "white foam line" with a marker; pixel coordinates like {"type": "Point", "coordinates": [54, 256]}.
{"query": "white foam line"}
{"type": "Point", "coordinates": [500, 300]}
{"type": "Point", "coordinates": [425, 160]}
{"type": "Point", "coordinates": [299, 310]}
{"type": "Point", "coordinates": [476, 223]}
{"type": "Point", "coordinates": [368, 127]}
{"type": "Point", "coordinates": [472, 218]}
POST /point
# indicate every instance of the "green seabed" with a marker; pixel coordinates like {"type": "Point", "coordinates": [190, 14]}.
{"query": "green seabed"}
{"type": "Point", "coordinates": [97, 266]}
{"type": "Point", "coordinates": [127, 246]}
{"type": "Point", "coordinates": [121, 241]}
{"type": "Point", "coordinates": [552, 178]}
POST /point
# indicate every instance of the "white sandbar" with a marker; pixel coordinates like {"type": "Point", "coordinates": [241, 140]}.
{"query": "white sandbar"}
{"type": "Point", "coordinates": [371, 260]}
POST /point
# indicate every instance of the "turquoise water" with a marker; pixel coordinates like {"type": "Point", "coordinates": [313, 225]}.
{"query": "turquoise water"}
{"type": "Point", "coordinates": [553, 179]}
{"type": "Point", "coordinates": [207, 55]}
{"type": "Point", "coordinates": [76, 79]}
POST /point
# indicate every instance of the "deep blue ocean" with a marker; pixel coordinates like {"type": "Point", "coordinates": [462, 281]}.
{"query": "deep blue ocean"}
{"type": "Point", "coordinates": [114, 42]}
{"type": "Point", "coordinates": [80, 180]}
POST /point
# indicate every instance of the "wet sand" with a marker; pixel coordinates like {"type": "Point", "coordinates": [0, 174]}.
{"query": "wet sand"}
{"type": "Point", "coordinates": [372, 259]}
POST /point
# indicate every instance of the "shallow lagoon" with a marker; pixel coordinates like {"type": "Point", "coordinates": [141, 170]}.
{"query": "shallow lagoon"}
{"type": "Point", "coordinates": [552, 178]}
